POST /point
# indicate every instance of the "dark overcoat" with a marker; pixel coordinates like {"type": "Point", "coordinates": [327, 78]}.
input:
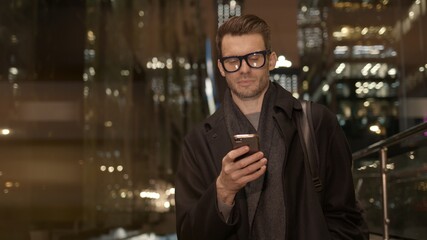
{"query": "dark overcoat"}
{"type": "Point", "coordinates": [334, 215]}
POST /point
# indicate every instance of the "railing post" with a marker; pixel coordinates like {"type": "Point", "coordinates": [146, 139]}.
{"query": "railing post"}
{"type": "Point", "coordinates": [383, 154]}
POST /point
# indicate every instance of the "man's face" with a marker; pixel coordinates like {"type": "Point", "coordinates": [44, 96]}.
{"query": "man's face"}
{"type": "Point", "coordinates": [247, 83]}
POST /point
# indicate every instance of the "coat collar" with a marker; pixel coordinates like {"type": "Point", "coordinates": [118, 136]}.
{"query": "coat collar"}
{"type": "Point", "coordinates": [285, 101]}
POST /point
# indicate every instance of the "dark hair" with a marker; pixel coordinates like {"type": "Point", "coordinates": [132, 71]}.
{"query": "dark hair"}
{"type": "Point", "coordinates": [240, 25]}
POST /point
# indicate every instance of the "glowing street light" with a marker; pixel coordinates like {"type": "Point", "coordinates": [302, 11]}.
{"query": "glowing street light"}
{"type": "Point", "coordinates": [5, 131]}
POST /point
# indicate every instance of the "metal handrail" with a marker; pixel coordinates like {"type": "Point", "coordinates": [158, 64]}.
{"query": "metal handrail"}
{"type": "Point", "coordinates": [381, 147]}
{"type": "Point", "coordinates": [390, 141]}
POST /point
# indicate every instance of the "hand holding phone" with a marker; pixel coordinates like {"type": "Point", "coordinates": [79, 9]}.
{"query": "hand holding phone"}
{"type": "Point", "coordinates": [235, 176]}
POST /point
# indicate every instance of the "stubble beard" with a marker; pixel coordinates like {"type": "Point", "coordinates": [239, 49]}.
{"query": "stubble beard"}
{"type": "Point", "coordinates": [248, 94]}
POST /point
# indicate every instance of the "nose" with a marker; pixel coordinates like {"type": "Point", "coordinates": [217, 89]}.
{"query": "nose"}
{"type": "Point", "coordinates": [244, 67]}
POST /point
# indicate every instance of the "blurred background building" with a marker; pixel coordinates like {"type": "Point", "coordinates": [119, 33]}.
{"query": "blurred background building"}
{"type": "Point", "coordinates": [96, 96]}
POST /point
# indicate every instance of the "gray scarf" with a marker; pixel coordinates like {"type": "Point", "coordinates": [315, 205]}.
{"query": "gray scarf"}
{"type": "Point", "coordinates": [265, 197]}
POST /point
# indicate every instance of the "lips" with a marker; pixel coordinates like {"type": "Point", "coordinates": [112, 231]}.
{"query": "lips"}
{"type": "Point", "coordinates": [245, 83]}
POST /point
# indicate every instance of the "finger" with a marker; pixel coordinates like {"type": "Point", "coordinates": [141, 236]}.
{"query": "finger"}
{"type": "Point", "coordinates": [251, 177]}
{"type": "Point", "coordinates": [242, 163]}
{"type": "Point", "coordinates": [233, 154]}
{"type": "Point", "coordinates": [250, 169]}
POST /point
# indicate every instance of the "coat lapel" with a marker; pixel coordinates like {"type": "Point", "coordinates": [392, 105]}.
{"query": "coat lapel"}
{"type": "Point", "coordinates": [220, 144]}
{"type": "Point", "coordinates": [285, 107]}
{"type": "Point", "coordinates": [287, 131]}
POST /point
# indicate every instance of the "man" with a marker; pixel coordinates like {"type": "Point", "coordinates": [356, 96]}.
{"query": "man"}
{"type": "Point", "coordinates": [266, 195]}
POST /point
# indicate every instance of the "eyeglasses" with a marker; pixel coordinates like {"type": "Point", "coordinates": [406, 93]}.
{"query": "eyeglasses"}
{"type": "Point", "coordinates": [254, 60]}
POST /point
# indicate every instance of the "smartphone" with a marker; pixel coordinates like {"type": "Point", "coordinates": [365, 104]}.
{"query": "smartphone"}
{"type": "Point", "coordinates": [251, 140]}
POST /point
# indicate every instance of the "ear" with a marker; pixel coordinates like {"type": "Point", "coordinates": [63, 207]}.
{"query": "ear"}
{"type": "Point", "coordinates": [221, 69]}
{"type": "Point", "coordinates": [272, 61]}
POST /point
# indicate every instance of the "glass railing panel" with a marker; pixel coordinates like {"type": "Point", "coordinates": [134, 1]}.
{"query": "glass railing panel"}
{"type": "Point", "coordinates": [367, 180]}
{"type": "Point", "coordinates": [406, 188]}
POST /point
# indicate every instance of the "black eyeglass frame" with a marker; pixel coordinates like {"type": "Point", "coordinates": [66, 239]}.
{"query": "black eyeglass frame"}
{"type": "Point", "coordinates": [263, 52]}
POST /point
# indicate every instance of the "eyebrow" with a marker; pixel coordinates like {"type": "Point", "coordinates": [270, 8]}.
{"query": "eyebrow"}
{"type": "Point", "coordinates": [244, 54]}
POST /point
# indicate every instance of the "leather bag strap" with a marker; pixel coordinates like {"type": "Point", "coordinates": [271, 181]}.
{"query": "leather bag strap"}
{"type": "Point", "coordinates": [309, 145]}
